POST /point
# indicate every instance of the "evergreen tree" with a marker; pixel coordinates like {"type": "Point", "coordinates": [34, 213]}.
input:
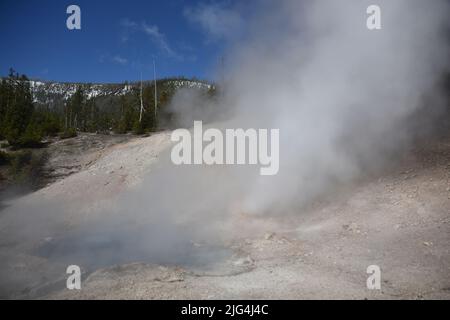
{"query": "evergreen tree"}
{"type": "Point", "coordinates": [18, 106]}
{"type": "Point", "coordinates": [149, 122]}
{"type": "Point", "coordinates": [74, 109]}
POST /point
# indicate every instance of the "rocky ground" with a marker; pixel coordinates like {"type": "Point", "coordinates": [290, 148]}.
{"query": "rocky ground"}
{"type": "Point", "coordinates": [70, 156]}
{"type": "Point", "coordinates": [398, 220]}
{"type": "Point", "coordinates": [61, 158]}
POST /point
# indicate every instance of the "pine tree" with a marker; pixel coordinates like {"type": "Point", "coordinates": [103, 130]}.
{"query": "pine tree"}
{"type": "Point", "coordinates": [19, 107]}
{"type": "Point", "coordinates": [74, 109]}
{"type": "Point", "coordinates": [149, 122]}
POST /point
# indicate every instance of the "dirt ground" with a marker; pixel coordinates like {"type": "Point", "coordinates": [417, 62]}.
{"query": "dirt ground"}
{"type": "Point", "coordinates": [398, 220]}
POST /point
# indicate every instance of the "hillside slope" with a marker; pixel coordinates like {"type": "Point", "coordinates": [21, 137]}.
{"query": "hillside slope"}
{"type": "Point", "coordinates": [56, 93]}
{"type": "Point", "coordinates": [398, 220]}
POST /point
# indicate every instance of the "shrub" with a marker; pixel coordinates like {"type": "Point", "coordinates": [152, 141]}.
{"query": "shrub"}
{"type": "Point", "coordinates": [50, 126]}
{"type": "Point", "coordinates": [138, 128]}
{"type": "Point", "coordinates": [31, 139]}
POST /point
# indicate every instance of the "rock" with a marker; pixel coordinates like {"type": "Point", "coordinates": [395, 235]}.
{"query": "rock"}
{"type": "Point", "coordinates": [243, 261]}
{"type": "Point", "coordinates": [269, 235]}
{"type": "Point", "coordinates": [173, 278]}
{"type": "Point", "coordinates": [352, 227]}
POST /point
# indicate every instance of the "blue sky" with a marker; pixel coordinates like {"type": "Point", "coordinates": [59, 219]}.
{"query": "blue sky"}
{"type": "Point", "coordinates": [117, 40]}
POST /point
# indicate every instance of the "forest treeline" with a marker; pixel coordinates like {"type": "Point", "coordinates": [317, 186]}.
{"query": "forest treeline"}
{"type": "Point", "coordinates": [25, 122]}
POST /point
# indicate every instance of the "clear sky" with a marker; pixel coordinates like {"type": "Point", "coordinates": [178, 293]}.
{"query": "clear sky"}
{"type": "Point", "coordinates": [117, 40]}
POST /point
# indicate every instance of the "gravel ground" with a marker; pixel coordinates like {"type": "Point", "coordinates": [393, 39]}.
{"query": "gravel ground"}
{"type": "Point", "coordinates": [398, 220]}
